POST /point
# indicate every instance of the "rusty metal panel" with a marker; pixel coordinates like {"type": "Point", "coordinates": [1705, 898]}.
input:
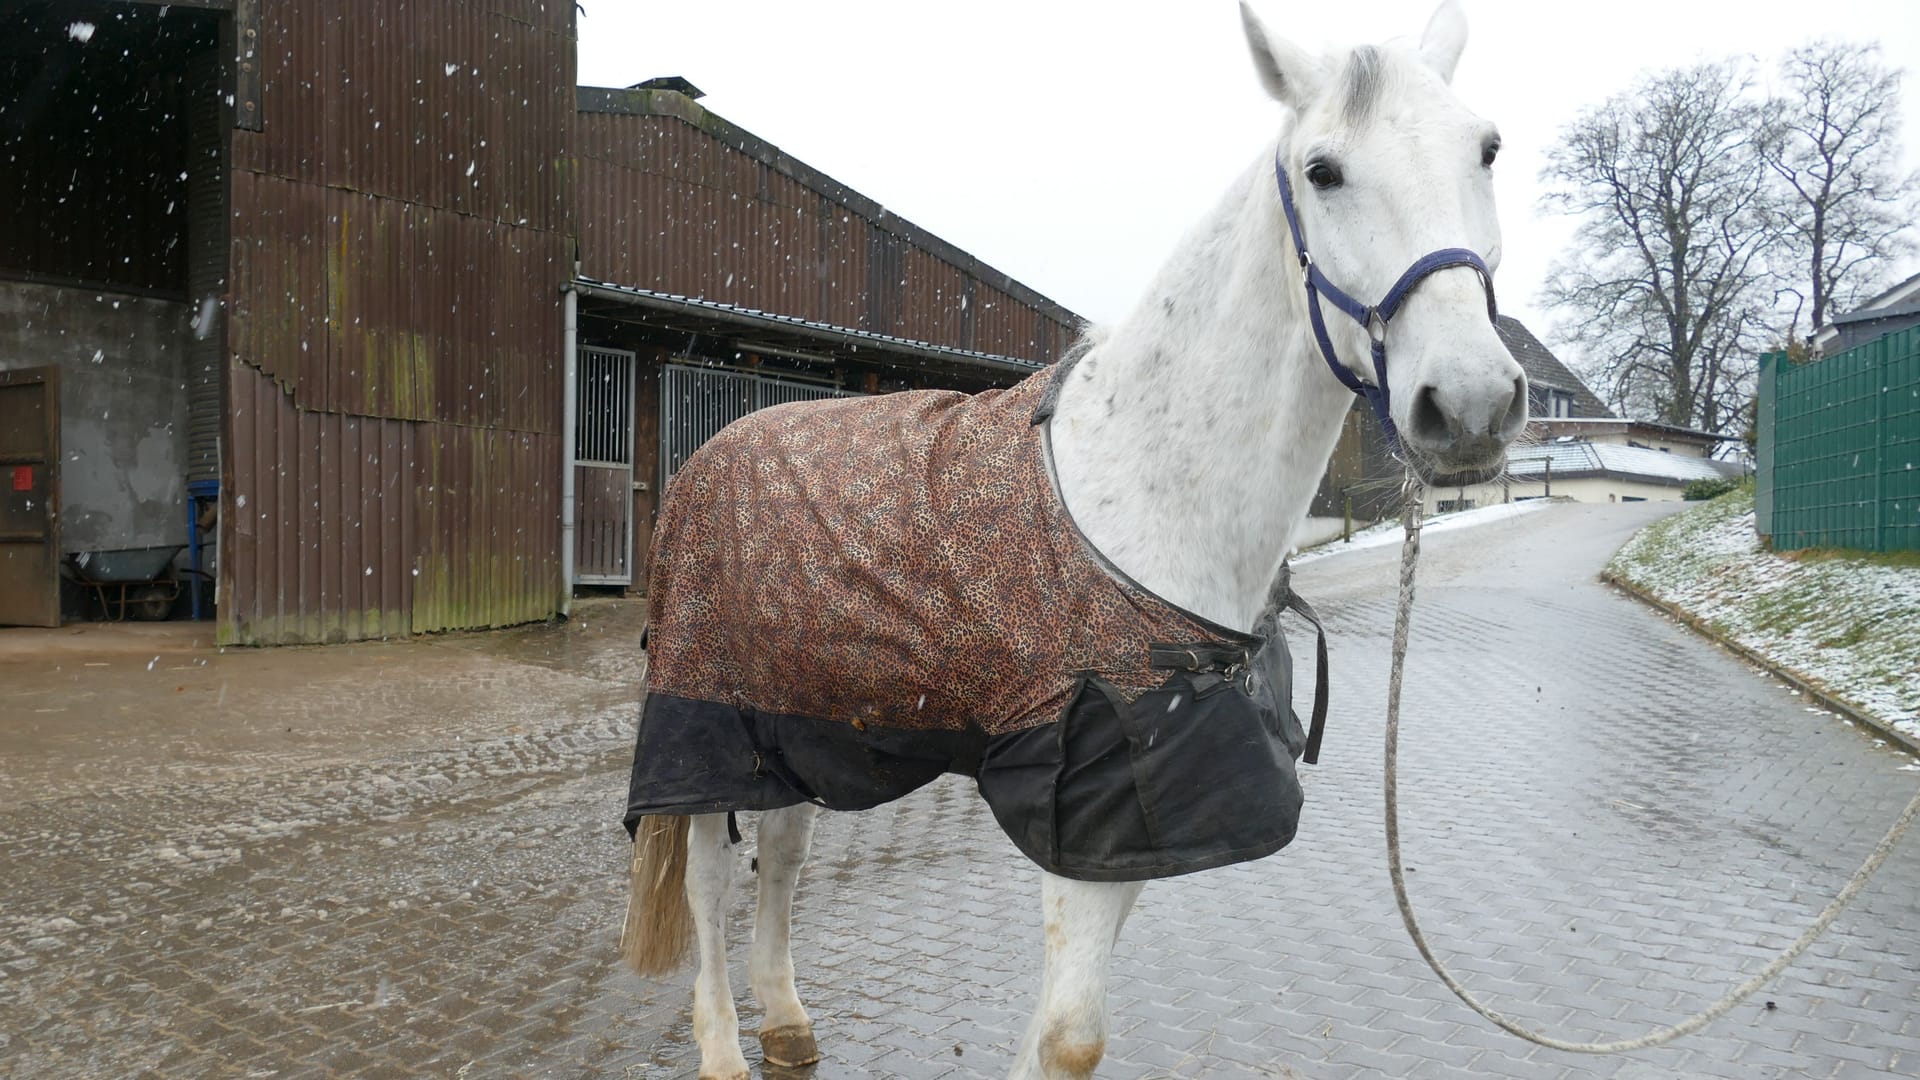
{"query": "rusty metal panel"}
{"type": "Point", "coordinates": [1004, 325]}
{"type": "Point", "coordinates": [378, 307]}
{"type": "Point", "coordinates": [488, 549]}
{"type": "Point", "coordinates": [399, 231]}
{"type": "Point", "coordinates": [401, 217]}
{"type": "Point", "coordinates": [339, 527]}
{"type": "Point", "coordinates": [466, 107]}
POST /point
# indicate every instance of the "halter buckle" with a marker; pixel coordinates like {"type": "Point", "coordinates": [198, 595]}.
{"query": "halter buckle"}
{"type": "Point", "coordinates": [1376, 326]}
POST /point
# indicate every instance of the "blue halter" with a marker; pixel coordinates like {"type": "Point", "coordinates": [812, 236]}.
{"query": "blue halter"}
{"type": "Point", "coordinates": [1374, 318]}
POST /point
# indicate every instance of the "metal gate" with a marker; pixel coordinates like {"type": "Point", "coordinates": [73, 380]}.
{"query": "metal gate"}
{"type": "Point", "coordinates": [696, 402]}
{"type": "Point", "coordinates": [603, 468]}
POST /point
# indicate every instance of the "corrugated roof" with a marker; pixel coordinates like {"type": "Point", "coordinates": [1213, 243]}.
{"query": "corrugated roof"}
{"type": "Point", "coordinates": [724, 173]}
{"type": "Point", "coordinates": [1571, 459]}
{"type": "Point", "coordinates": [1545, 369]}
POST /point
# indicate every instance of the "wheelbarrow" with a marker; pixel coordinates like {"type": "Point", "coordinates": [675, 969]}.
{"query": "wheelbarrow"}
{"type": "Point", "coordinates": [130, 581]}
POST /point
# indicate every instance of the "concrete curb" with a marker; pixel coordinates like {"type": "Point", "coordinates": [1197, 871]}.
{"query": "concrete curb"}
{"type": "Point", "coordinates": [1880, 728]}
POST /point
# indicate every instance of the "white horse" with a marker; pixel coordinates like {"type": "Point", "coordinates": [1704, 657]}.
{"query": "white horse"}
{"type": "Point", "coordinates": [1187, 442]}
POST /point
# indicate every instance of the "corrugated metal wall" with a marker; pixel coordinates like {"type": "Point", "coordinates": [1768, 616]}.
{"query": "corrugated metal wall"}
{"type": "Point", "coordinates": [682, 202]}
{"type": "Point", "coordinates": [399, 227]}
{"type": "Point", "coordinates": [345, 527]}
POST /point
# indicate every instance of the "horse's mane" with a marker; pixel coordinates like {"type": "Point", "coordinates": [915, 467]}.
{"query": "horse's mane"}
{"type": "Point", "coordinates": [1091, 335]}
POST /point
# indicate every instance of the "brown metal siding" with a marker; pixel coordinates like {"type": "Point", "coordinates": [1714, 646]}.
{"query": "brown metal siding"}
{"type": "Point", "coordinates": [462, 106]}
{"type": "Point", "coordinates": [345, 527]}
{"type": "Point", "coordinates": [666, 205]}
{"type": "Point", "coordinates": [380, 307]}
{"type": "Point", "coordinates": [399, 235]}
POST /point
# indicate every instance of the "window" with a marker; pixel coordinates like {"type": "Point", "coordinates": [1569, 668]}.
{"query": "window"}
{"type": "Point", "coordinates": [1448, 506]}
{"type": "Point", "coordinates": [1559, 404]}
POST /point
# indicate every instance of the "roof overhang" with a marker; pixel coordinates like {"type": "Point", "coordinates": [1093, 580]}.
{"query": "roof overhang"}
{"type": "Point", "coordinates": [1626, 425]}
{"type": "Point", "coordinates": [691, 315]}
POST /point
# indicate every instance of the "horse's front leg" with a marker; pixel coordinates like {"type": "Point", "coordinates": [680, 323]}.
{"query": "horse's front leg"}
{"type": "Point", "coordinates": [1068, 1035]}
{"type": "Point", "coordinates": [716, 1024]}
{"type": "Point", "coordinates": [786, 1032]}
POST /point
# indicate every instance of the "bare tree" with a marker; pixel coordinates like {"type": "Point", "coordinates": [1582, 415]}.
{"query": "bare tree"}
{"type": "Point", "coordinates": [1665, 286]}
{"type": "Point", "coordinates": [1836, 147]}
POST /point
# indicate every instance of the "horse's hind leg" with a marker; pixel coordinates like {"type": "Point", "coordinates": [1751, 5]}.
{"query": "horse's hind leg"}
{"type": "Point", "coordinates": [716, 1024]}
{"type": "Point", "coordinates": [786, 1032]}
{"type": "Point", "coordinates": [1068, 1035]}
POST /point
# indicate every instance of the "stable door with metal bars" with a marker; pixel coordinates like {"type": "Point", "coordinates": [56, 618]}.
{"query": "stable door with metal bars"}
{"type": "Point", "coordinates": [603, 483]}
{"type": "Point", "coordinates": [696, 402]}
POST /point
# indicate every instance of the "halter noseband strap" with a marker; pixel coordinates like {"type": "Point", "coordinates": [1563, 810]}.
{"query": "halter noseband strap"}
{"type": "Point", "coordinates": [1376, 318]}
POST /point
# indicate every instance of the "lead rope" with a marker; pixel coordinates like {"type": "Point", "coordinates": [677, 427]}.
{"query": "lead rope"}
{"type": "Point", "coordinates": [1409, 555]}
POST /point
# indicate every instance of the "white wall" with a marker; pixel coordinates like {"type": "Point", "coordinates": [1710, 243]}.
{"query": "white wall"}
{"type": "Point", "coordinates": [1585, 489]}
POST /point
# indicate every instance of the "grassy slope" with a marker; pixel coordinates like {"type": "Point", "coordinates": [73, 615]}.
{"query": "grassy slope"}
{"type": "Point", "coordinates": [1847, 622]}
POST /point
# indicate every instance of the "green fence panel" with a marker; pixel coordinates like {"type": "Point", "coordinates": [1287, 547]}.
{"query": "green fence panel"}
{"type": "Point", "coordinates": [1840, 448]}
{"type": "Point", "coordinates": [1900, 444]}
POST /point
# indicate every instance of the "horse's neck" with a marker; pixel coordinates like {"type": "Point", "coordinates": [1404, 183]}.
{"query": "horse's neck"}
{"type": "Point", "coordinates": [1189, 441]}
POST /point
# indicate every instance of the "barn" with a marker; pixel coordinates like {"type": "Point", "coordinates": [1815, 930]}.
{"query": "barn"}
{"type": "Point", "coordinates": [342, 319]}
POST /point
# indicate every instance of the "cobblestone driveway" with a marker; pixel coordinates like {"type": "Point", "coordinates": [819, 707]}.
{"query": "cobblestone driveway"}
{"type": "Point", "coordinates": [402, 860]}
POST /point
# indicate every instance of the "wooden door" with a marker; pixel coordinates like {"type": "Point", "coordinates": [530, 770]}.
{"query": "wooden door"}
{"type": "Point", "coordinates": [30, 497]}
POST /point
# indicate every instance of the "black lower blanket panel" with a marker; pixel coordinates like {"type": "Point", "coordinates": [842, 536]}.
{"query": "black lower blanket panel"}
{"type": "Point", "coordinates": [1194, 774]}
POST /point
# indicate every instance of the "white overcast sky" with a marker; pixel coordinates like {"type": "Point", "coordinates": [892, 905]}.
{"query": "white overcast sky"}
{"type": "Point", "coordinates": [1071, 144]}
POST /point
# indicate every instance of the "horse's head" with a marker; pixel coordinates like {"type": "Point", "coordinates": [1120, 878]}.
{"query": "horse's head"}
{"type": "Point", "coordinates": [1386, 167]}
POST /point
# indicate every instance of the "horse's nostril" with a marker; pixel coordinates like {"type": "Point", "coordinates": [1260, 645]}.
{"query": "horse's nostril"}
{"type": "Point", "coordinates": [1516, 417]}
{"type": "Point", "coordinates": [1430, 424]}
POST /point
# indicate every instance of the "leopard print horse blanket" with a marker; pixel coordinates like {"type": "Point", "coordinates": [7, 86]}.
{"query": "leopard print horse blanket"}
{"type": "Point", "coordinates": [852, 597]}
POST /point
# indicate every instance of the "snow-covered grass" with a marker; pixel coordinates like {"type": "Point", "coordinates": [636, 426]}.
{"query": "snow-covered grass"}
{"type": "Point", "coordinates": [1389, 532]}
{"type": "Point", "coordinates": [1846, 622]}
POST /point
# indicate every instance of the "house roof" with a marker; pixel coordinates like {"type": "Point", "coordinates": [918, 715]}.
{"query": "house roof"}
{"type": "Point", "coordinates": [1896, 305]}
{"type": "Point", "coordinates": [1578, 459]}
{"type": "Point", "coordinates": [1545, 369]}
{"type": "Point", "coordinates": [1906, 292]}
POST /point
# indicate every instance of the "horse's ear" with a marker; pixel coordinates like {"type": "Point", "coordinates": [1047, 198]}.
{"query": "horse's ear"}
{"type": "Point", "coordinates": [1446, 36]}
{"type": "Point", "coordinates": [1290, 74]}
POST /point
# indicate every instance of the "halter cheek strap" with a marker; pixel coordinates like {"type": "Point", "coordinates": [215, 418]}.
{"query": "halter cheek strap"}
{"type": "Point", "coordinates": [1375, 318]}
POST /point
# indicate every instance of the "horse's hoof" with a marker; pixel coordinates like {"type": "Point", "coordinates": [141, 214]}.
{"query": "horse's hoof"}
{"type": "Point", "coordinates": [789, 1047]}
{"type": "Point", "coordinates": [743, 1074]}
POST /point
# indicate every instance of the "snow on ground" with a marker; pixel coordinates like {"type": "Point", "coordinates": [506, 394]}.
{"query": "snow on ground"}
{"type": "Point", "coordinates": [1848, 623]}
{"type": "Point", "coordinates": [1388, 532]}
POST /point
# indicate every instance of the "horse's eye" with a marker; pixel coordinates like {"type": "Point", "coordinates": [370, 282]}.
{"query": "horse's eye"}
{"type": "Point", "coordinates": [1323, 175]}
{"type": "Point", "coordinates": [1488, 153]}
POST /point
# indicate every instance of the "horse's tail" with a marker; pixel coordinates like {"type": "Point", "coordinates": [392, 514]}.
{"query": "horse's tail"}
{"type": "Point", "coordinates": [659, 926]}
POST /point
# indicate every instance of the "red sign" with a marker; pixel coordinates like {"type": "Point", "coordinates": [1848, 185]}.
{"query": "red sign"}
{"type": "Point", "coordinates": [23, 478]}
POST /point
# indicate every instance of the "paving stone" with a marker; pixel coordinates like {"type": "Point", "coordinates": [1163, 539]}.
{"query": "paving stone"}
{"type": "Point", "coordinates": [1609, 823]}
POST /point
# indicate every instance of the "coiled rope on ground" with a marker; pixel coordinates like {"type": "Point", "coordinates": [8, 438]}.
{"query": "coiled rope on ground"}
{"type": "Point", "coordinates": [1409, 557]}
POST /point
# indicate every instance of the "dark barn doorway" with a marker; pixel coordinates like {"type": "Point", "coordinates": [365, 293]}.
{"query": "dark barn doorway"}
{"type": "Point", "coordinates": [113, 144]}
